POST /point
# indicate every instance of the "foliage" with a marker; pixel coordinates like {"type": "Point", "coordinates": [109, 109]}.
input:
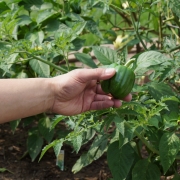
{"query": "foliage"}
{"type": "Point", "coordinates": [36, 39]}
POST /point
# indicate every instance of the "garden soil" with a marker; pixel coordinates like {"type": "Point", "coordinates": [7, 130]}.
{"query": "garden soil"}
{"type": "Point", "coordinates": [13, 147]}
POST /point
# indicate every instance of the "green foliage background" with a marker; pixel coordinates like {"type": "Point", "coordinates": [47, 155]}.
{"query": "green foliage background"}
{"type": "Point", "coordinates": [36, 39]}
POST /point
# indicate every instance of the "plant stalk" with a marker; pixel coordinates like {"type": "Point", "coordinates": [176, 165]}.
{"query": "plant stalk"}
{"type": "Point", "coordinates": [44, 61]}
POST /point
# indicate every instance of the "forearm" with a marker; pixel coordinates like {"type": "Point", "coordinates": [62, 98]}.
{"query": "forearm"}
{"type": "Point", "coordinates": [21, 98]}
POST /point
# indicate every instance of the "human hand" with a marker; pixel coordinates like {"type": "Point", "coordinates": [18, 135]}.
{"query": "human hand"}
{"type": "Point", "coordinates": [79, 91]}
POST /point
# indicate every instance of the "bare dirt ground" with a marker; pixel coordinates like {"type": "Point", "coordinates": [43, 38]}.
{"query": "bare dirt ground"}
{"type": "Point", "coordinates": [12, 148]}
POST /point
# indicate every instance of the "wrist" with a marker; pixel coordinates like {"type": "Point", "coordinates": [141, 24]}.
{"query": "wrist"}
{"type": "Point", "coordinates": [51, 95]}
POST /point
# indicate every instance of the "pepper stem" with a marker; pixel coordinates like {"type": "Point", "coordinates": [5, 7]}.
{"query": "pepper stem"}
{"type": "Point", "coordinates": [128, 63]}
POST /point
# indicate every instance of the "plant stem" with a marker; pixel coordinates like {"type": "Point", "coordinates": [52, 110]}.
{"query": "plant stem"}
{"type": "Point", "coordinates": [146, 143]}
{"type": "Point", "coordinates": [44, 61]}
{"type": "Point", "coordinates": [171, 50]}
{"type": "Point", "coordinates": [128, 63]}
{"type": "Point", "coordinates": [137, 32]}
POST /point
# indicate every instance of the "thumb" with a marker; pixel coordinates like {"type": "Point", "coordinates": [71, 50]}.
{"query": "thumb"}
{"type": "Point", "coordinates": [85, 75]}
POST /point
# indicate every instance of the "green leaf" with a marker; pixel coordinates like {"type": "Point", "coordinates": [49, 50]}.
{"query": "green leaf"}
{"type": "Point", "coordinates": [11, 59]}
{"type": "Point", "coordinates": [78, 27]}
{"type": "Point", "coordinates": [24, 20]}
{"type": "Point", "coordinates": [27, 121]}
{"type": "Point", "coordinates": [126, 133]}
{"type": "Point", "coordinates": [85, 59]}
{"type": "Point", "coordinates": [96, 150]}
{"type": "Point", "coordinates": [154, 135]}
{"type": "Point", "coordinates": [57, 147]}
{"type": "Point", "coordinates": [3, 7]}
{"type": "Point", "coordinates": [88, 135]}
{"type": "Point", "coordinates": [77, 44]}
{"type": "Point", "coordinates": [34, 145]}
{"type": "Point", "coordinates": [168, 149]}
{"type": "Point", "coordinates": [154, 121]}
{"type": "Point", "coordinates": [93, 28]}
{"type": "Point", "coordinates": [44, 126]}
{"type": "Point", "coordinates": [77, 142]}
{"type": "Point", "coordinates": [35, 37]}
{"type": "Point", "coordinates": [158, 90]}
{"type": "Point", "coordinates": [105, 55]}
{"type": "Point", "coordinates": [120, 160]}
{"type": "Point", "coordinates": [147, 59]}
{"type": "Point", "coordinates": [2, 170]}
{"type": "Point", "coordinates": [44, 15]}
{"type": "Point", "coordinates": [14, 125]}
{"type": "Point", "coordinates": [56, 120]}
{"type": "Point", "coordinates": [42, 69]}
{"type": "Point", "coordinates": [175, 6]}
{"type": "Point", "coordinates": [148, 172]}
{"type": "Point", "coordinates": [22, 75]}
{"type": "Point", "coordinates": [54, 143]}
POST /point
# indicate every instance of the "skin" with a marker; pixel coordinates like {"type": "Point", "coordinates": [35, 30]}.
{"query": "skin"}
{"type": "Point", "coordinates": [68, 94]}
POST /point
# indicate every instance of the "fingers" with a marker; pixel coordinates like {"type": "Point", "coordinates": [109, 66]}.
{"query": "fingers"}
{"type": "Point", "coordinates": [98, 105]}
{"type": "Point", "coordinates": [84, 75]}
{"type": "Point", "coordinates": [128, 98]}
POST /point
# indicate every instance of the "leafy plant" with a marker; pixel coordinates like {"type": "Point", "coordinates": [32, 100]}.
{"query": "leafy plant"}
{"type": "Point", "coordinates": [36, 39]}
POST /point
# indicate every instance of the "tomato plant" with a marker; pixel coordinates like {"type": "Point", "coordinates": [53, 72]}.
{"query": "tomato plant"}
{"type": "Point", "coordinates": [37, 39]}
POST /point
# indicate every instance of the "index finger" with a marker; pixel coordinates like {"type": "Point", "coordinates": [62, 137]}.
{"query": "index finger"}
{"type": "Point", "coordinates": [85, 75]}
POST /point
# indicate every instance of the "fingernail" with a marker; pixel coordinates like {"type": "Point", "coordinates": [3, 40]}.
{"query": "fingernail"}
{"type": "Point", "coordinates": [109, 71]}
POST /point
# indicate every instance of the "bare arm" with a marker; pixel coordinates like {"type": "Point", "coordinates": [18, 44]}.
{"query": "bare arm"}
{"type": "Point", "coordinates": [68, 94]}
{"type": "Point", "coordinates": [24, 97]}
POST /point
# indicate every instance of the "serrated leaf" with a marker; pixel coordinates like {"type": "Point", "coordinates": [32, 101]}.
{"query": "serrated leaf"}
{"type": "Point", "coordinates": [109, 119]}
{"type": "Point", "coordinates": [148, 59]}
{"type": "Point", "coordinates": [42, 69]}
{"type": "Point", "coordinates": [149, 171]}
{"type": "Point", "coordinates": [34, 145]}
{"type": "Point", "coordinates": [11, 59]}
{"type": "Point", "coordinates": [175, 6]}
{"type": "Point", "coordinates": [126, 133]}
{"type": "Point", "coordinates": [96, 150]}
{"type": "Point", "coordinates": [105, 55]}
{"type": "Point", "coordinates": [170, 98]}
{"type": "Point", "coordinates": [88, 135]}
{"type": "Point", "coordinates": [160, 90]}
{"type": "Point", "coordinates": [48, 147]}
{"type": "Point", "coordinates": [57, 147]}
{"type": "Point", "coordinates": [168, 149]}
{"type": "Point", "coordinates": [77, 142]}
{"type": "Point", "coordinates": [56, 120]}
{"type": "Point", "coordinates": [120, 160]}
{"type": "Point", "coordinates": [85, 59]}
{"type": "Point", "coordinates": [70, 123]}
{"type": "Point", "coordinates": [44, 126]}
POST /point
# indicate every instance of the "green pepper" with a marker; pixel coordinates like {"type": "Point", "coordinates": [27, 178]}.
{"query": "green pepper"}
{"type": "Point", "coordinates": [121, 84]}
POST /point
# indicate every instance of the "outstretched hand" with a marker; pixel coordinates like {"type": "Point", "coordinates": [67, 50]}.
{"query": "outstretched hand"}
{"type": "Point", "coordinates": [79, 91]}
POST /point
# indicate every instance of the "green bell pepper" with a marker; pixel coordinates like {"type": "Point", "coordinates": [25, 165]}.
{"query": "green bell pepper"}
{"type": "Point", "coordinates": [121, 84]}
